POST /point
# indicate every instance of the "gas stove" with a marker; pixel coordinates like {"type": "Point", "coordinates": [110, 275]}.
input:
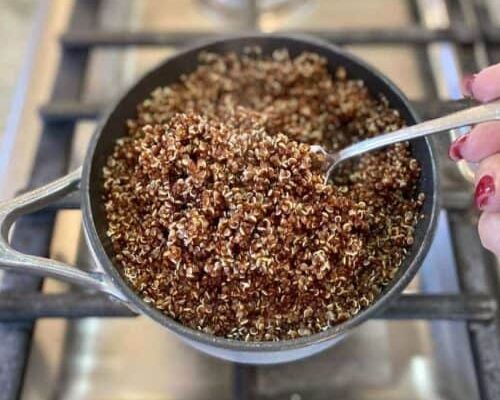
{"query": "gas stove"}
{"type": "Point", "coordinates": [439, 340]}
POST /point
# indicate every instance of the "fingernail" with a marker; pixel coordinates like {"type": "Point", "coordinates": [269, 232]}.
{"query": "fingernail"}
{"type": "Point", "coordinates": [455, 152]}
{"type": "Point", "coordinates": [467, 85]}
{"type": "Point", "coordinates": [485, 189]}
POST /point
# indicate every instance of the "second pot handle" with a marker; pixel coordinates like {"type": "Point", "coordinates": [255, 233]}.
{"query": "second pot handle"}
{"type": "Point", "coordinates": [11, 259]}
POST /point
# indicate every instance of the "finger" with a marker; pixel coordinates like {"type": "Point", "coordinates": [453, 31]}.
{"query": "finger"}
{"type": "Point", "coordinates": [489, 231]}
{"type": "Point", "coordinates": [482, 142]}
{"type": "Point", "coordinates": [487, 193]}
{"type": "Point", "coordinates": [485, 85]}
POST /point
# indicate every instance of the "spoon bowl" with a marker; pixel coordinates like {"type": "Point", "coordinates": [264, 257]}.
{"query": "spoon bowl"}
{"type": "Point", "coordinates": [469, 116]}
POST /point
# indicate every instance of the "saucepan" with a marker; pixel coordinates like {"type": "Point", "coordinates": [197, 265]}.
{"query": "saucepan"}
{"type": "Point", "coordinates": [88, 181]}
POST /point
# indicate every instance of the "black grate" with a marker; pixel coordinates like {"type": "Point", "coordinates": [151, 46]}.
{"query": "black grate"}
{"type": "Point", "coordinates": [21, 302]}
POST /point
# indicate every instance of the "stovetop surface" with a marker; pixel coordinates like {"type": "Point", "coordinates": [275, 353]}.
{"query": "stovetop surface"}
{"type": "Point", "coordinates": [133, 358]}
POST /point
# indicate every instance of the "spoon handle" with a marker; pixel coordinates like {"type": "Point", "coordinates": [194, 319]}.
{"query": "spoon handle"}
{"type": "Point", "coordinates": [469, 116]}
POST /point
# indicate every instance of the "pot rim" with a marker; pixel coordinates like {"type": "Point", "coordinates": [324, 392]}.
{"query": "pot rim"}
{"type": "Point", "coordinates": [136, 301]}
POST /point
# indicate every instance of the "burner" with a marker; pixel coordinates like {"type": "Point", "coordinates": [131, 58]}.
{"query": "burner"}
{"type": "Point", "coordinates": [238, 6]}
{"type": "Point", "coordinates": [247, 12]}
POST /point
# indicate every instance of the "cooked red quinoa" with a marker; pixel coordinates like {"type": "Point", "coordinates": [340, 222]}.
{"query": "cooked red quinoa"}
{"type": "Point", "coordinates": [219, 217]}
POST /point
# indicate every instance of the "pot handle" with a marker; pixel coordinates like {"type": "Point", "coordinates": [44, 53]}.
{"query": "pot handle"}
{"type": "Point", "coordinates": [14, 260]}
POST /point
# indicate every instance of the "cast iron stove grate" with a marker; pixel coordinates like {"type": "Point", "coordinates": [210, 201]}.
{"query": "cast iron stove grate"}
{"type": "Point", "coordinates": [21, 301]}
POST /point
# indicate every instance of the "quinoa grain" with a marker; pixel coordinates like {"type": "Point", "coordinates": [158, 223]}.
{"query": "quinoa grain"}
{"type": "Point", "coordinates": [217, 211]}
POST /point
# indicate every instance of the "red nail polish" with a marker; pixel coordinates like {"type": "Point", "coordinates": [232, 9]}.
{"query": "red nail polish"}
{"type": "Point", "coordinates": [485, 189]}
{"type": "Point", "coordinates": [455, 152]}
{"type": "Point", "coordinates": [467, 85]}
{"type": "Point", "coordinates": [467, 81]}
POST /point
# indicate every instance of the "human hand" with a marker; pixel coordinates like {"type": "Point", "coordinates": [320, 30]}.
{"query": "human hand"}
{"type": "Point", "coordinates": [482, 145]}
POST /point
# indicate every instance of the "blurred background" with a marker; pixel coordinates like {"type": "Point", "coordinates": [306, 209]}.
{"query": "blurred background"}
{"type": "Point", "coordinates": [65, 61]}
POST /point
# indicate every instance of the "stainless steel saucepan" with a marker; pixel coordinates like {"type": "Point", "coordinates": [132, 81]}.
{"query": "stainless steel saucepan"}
{"type": "Point", "coordinates": [88, 181]}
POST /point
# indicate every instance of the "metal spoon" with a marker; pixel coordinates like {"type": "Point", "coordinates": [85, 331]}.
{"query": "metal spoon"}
{"type": "Point", "coordinates": [469, 116]}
